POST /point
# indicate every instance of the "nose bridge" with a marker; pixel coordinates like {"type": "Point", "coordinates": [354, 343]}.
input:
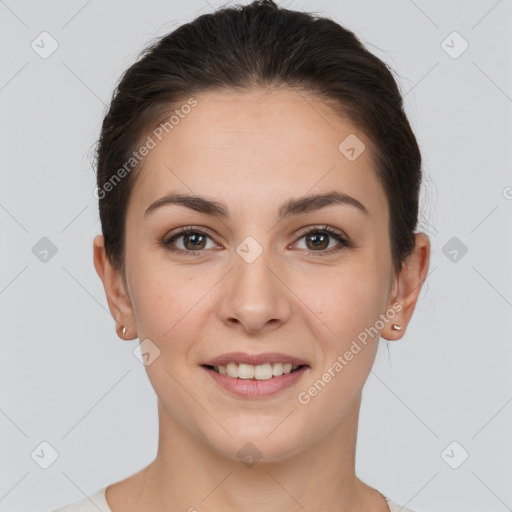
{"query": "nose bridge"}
{"type": "Point", "coordinates": [254, 296]}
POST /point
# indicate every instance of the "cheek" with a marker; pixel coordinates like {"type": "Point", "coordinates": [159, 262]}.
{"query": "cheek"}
{"type": "Point", "coordinates": [344, 300]}
{"type": "Point", "coordinates": [168, 304]}
{"type": "Point", "coordinates": [349, 307]}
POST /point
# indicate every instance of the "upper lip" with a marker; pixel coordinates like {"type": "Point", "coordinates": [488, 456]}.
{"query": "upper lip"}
{"type": "Point", "coordinates": [254, 359]}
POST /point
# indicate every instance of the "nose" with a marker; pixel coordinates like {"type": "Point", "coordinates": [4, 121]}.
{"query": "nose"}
{"type": "Point", "coordinates": [255, 298]}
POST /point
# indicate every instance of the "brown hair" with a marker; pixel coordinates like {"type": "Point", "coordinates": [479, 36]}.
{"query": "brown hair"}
{"type": "Point", "coordinates": [260, 45]}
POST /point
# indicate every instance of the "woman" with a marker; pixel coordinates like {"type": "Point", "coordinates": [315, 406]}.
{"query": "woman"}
{"type": "Point", "coordinates": [258, 188]}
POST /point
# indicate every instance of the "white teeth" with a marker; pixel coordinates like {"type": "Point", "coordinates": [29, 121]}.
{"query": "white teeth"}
{"type": "Point", "coordinates": [232, 370]}
{"type": "Point", "coordinates": [259, 372]}
{"type": "Point", "coordinates": [246, 371]}
{"type": "Point", "coordinates": [263, 371]}
{"type": "Point", "coordinates": [277, 369]}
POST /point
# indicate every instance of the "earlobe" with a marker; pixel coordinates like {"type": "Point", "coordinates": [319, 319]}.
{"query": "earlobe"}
{"type": "Point", "coordinates": [118, 300]}
{"type": "Point", "coordinates": [407, 287]}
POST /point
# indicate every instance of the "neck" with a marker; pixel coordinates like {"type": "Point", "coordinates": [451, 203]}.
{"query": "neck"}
{"type": "Point", "coordinates": [188, 475]}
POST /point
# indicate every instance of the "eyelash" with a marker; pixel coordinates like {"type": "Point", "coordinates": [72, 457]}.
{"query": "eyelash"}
{"type": "Point", "coordinates": [343, 242]}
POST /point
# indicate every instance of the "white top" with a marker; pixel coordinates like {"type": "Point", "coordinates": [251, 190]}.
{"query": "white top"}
{"type": "Point", "coordinates": [97, 502]}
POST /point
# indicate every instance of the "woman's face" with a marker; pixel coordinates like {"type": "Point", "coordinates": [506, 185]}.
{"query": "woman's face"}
{"type": "Point", "coordinates": [257, 282]}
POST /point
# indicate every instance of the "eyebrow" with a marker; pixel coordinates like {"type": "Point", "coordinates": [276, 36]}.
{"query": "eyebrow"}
{"type": "Point", "coordinates": [290, 207]}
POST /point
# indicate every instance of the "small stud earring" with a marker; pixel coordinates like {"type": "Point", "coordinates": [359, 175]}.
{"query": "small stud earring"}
{"type": "Point", "coordinates": [124, 331]}
{"type": "Point", "coordinates": [396, 327]}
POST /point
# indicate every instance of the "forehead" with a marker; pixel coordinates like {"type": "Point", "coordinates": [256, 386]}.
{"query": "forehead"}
{"type": "Point", "coordinates": [259, 147]}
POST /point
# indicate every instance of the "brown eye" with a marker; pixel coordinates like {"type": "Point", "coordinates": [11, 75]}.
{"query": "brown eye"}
{"type": "Point", "coordinates": [317, 241]}
{"type": "Point", "coordinates": [193, 241]}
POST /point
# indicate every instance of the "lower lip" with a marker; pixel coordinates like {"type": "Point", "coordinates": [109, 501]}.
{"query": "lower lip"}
{"type": "Point", "coordinates": [252, 388]}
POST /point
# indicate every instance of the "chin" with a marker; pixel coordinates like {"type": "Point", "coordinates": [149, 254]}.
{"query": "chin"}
{"type": "Point", "coordinates": [252, 445]}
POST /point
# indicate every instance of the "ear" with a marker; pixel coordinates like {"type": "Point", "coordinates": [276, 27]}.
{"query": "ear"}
{"type": "Point", "coordinates": [115, 286]}
{"type": "Point", "coordinates": [407, 287]}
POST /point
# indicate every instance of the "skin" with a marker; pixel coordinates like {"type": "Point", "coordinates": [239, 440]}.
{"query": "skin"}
{"type": "Point", "coordinates": [253, 151]}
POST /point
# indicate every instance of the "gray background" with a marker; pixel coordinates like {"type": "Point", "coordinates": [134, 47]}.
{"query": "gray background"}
{"type": "Point", "coordinates": [68, 380]}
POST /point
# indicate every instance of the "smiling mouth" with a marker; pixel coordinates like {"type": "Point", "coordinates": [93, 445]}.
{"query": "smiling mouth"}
{"type": "Point", "coordinates": [265, 371]}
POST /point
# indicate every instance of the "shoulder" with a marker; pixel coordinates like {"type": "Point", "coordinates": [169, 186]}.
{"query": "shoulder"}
{"type": "Point", "coordinates": [395, 507]}
{"type": "Point", "coordinates": [95, 502]}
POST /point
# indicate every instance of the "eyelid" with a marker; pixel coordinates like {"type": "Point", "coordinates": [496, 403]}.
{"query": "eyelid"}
{"type": "Point", "coordinates": [321, 227]}
{"type": "Point", "coordinates": [343, 240]}
{"type": "Point", "coordinates": [187, 229]}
